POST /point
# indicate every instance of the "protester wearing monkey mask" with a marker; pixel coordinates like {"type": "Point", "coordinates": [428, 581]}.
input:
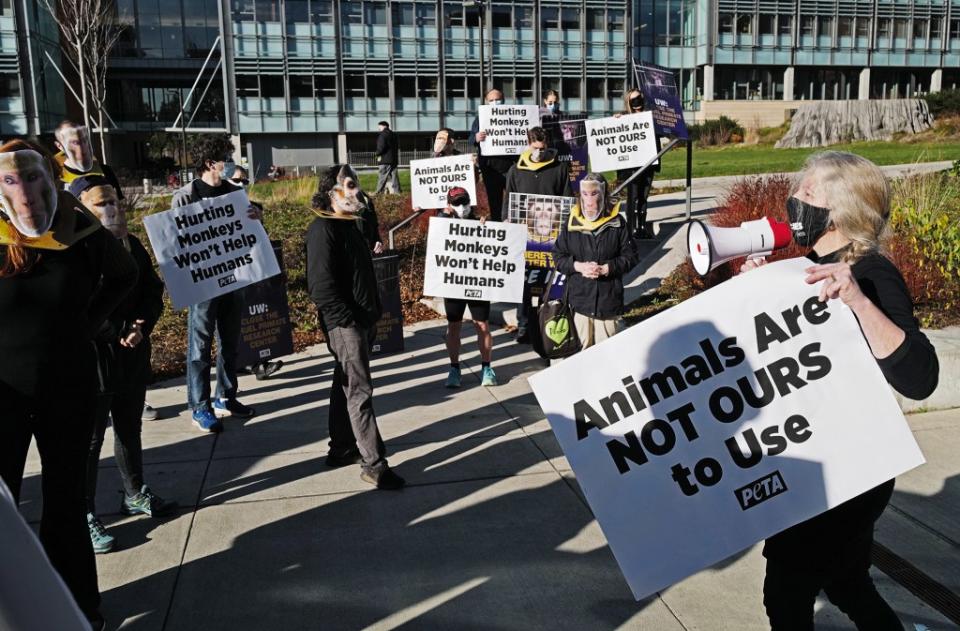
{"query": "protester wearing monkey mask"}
{"type": "Point", "coordinates": [61, 275]}
{"type": "Point", "coordinates": [594, 250]}
{"type": "Point", "coordinates": [343, 286]}
{"type": "Point", "coordinates": [76, 157]}
{"type": "Point", "coordinates": [123, 356]}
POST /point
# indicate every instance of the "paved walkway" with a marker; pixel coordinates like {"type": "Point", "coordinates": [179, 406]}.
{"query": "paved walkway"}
{"type": "Point", "coordinates": [491, 533]}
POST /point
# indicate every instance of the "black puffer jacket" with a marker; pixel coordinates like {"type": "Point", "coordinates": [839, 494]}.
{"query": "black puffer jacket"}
{"type": "Point", "coordinates": [609, 244]}
{"type": "Point", "coordinates": [340, 274]}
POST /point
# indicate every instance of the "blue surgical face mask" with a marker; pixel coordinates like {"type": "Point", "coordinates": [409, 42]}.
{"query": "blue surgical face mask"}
{"type": "Point", "coordinates": [552, 108]}
{"type": "Point", "coordinates": [496, 102]}
{"type": "Point", "coordinates": [229, 166]}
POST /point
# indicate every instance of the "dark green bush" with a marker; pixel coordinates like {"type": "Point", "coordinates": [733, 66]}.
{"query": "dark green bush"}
{"type": "Point", "coordinates": [944, 103]}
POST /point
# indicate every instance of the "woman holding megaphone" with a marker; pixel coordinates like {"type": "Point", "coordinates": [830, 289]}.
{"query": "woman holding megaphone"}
{"type": "Point", "coordinates": [840, 207]}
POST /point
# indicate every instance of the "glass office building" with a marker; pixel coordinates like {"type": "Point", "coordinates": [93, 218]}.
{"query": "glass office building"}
{"type": "Point", "coordinates": [304, 82]}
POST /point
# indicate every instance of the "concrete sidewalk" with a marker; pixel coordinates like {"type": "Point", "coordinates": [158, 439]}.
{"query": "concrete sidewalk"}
{"type": "Point", "coordinates": [491, 533]}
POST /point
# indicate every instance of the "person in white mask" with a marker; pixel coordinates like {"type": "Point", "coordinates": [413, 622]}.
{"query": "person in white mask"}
{"type": "Point", "coordinates": [493, 169]}
{"type": "Point", "coordinates": [459, 207]}
{"type": "Point", "coordinates": [75, 156]}
{"type": "Point", "coordinates": [343, 286]}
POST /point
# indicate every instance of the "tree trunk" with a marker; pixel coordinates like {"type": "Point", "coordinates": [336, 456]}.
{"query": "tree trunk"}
{"type": "Point", "coordinates": [103, 135]}
{"type": "Point", "coordinates": [83, 85]}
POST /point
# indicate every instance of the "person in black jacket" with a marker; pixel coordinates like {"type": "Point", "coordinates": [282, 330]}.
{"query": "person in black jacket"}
{"type": "Point", "coordinates": [595, 249]}
{"type": "Point", "coordinates": [343, 286]}
{"type": "Point", "coordinates": [638, 191]}
{"type": "Point", "coordinates": [493, 169]}
{"type": "Point", "coordinates": [61, 275]}
{"type": "Point", "coordinates": [123, 358]}
{"type": "Point", "coordinates": [538, 171]}
{"type": "Point", "coordinates": [388, 157]}
{"type": "Point", "coordinates": [840, 207]}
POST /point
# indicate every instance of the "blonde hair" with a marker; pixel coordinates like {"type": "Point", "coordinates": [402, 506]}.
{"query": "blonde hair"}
{"type": "Point", "coordinates": [859, 198]}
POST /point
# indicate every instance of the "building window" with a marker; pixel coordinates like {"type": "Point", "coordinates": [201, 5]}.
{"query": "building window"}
{"type": "Point", "coordinates": [297, 10]}
{"type": "Point", "coordinates": [826, 26]}
{"type": "Point", "coordinates": [426, 15]}
{"type": "Point", "coordinates": [920, 29]}
{"type": "Point", "coordinates": [375, 13]}
{"type": "Point", "coordinates": [570, 19]}
{"type": "Point", "coordinates": [427, 87]}
{"type": "Point", "coordinates": [550, 17]}
{"type": "Point", "coordinates": [353, 86]}
{"type": "Point", "coordinates": [954, 29]}
{"type": "Point", "coordinates": [595, 20]}
{"type": "Point", "coordinates": [808, 25]}
{"type": "Point", "coordinates": [247, 86]}
{"type": "Point", "coordinates": [745, 24]}
{"type": "Point", "coordinates": [301, 86]}
{"type": "Point", "coordinates": [268, 10]}
{"type": "Point", "coordinates": [502, 17]}
{"type": "Point", "coordinates": [767, 24]}
{"type": "Point", "coordinates": [456, 88]}
{"type": "Point", "coordinates": [785, 24]}
{"type": "Point", "coordinates": [524, 17]}
{"type": "Point", "coordinates": [378, 86]}
{"type": "Point", "coordinates": [351, 12]}
{"type": "Point", "coordinates": [271, 86]}
{"type": "Point", "coordinates": [402, 13]}
{"type": "Point", "coordinates": [936, 28]}
{"type": "Point", "coordinates": [726, 23]}
{"type": "Point", "coordinates": [596, 89]}
{"type": "Point", "coordinates": [570, 88]}
{"type": "Point", "coordinates": [326, 86]}
{"type": "Point", "coordinates": [405, 87]}
{"type": "Point", "coordinates": [322, 11]}
{"type": "Point", "coordinates": [845, 27]}
{"type": "Point", "coordinates": [863, 27]}
{"type": "Point", "coordinates": [615, 21]}
{"type": "Point", "coordinates": [884, 27]}
{"type": "Point", "coordinates": [901, 28]}
{"type": "Point", "coordinates": [525, 89]}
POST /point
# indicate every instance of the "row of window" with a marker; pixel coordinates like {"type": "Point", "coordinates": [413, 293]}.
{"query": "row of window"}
{"type": "Point", "coordinates": [830, 26]}
{"type": "Point", "coordinates": [378, 86]}
{"type": "Point", "coordinates": [374, 13]}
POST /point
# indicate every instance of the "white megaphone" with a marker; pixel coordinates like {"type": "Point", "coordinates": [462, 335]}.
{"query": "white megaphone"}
{"type": "Point", "coordinates": [710, 247]}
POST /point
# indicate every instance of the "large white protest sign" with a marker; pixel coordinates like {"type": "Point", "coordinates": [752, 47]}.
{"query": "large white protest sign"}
{"type": "Point", "coordinates": [506, 127]}
{"type": "Point", "coordinates": [626, 142]}
{"type": "Point", "coordinates": [724, 420]}
{"type": "Point", "coordinates": [467, 260]}
{"type": "Point", "coordinates": [210, 248]}
{"type": "Point", "coordinates": [431, 179]}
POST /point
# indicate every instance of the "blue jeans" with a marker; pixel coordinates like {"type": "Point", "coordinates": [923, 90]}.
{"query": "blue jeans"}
{"type": "Point", "coordinates": [220, 316]}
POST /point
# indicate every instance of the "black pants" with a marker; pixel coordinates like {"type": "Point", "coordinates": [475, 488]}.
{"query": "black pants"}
{"type": "Point", "coordinates": [789, 591]}
{"type": "Point", "coordinates": [638, 191]}
{"type": "Point", "coordinates": [125, 408]}
{"type": "Point", "coordinates": [62, 424]}
{"type": "Point", "coordinates": [494, 182]}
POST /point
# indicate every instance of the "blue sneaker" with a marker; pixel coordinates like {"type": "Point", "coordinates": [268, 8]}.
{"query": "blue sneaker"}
{"type": "Point", "coordinates": [101, 540]}
{"type": "Point", "coordinates": [453, 378]}
{"type": "Point", "coordinates": [489, 377]}
{"type": "Point", "coordinates": [231, 407]}
{"type": "Point", "coordinates": [206, 421]}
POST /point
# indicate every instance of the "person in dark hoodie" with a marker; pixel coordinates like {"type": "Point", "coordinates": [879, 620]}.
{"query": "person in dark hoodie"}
{"type": "Point", "coordinates": [123, 358]}
{"type": "Point", "coordinates": [61, 275]}
{"type": "Point", "coordinates": [388, 157]}
{"type": "Point", "coordinates": [594, 250]}
{"type": "Point", "coordinates": [538, 171]}
{"type": "Point", "coordinates": [343, 286]}
{"type": "Point", "coordinates": [839, 206]}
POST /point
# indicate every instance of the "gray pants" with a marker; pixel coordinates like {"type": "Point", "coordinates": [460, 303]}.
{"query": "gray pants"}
{"type": "Point", "coordinates": [388, 174]}
{"type": "Point", "coordinates": [353, 424]}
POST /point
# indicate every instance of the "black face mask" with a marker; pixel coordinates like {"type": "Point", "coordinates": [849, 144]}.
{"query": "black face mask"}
{"type": "Point", "coordinates": [807, 223]}
{"type": "Point", "coordinates": [636, 102]}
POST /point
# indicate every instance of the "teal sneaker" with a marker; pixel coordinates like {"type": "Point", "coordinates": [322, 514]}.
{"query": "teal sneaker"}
{"type": "Point", "coordinates": [489, 378]}
{"type": "Point", "coordinates": [146, 503]}
{"type": "Point", "coordinates": [453, 378]}
{"type": "Point", "coordinates": [102, 541]}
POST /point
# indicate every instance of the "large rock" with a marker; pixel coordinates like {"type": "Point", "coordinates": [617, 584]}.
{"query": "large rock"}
{"type": "Point", "coordinates": [830, 122]}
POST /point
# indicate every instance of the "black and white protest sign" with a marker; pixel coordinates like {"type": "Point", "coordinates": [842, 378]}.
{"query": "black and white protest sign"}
{"type": "Point", "coordinates": [389, 336]}
{"type": "Point", "coordinates": [431, 179]}
{"type": "Point", "coordinates": [724, 420]}
{"type": "Point", "coordinates": [626, 142]}
{"type": "Point", "coordinates": [210, 248]}
{"type": "Point", "coordinates": [506, 127]}
{"type": "Point", "coordinates": [474, 261]}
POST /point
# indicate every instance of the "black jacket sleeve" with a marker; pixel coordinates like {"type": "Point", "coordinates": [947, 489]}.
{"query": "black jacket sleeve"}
{"type": "Point", "coordinates": [913, 369]}
{"type": "Point", "coordinates": [118, 275]}
{"type": "Point", "coordinates": [381, 144]}
{"type": "Point", "coordinates": [628, 255]}
{"type": "Point", "coordinates": [474, 129]}
{"type": "Point", "coordinates": [150, 305]}
{"type": "Point", "coordinates": [321, 277]}
{"type": "Point", "coordinates": [562, 256]}
{"type": "Point", "coordinates": [566, 190]}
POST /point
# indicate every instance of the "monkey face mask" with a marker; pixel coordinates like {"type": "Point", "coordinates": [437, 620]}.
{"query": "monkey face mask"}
{"type": "Point", "coordinates": [102, 201]}
{"type": "Point", "coordinates": [77, 150]}
{"type": "Point", "coordinates": [27, 192]}
{"type": "Point", "coordinates": [345, 196]}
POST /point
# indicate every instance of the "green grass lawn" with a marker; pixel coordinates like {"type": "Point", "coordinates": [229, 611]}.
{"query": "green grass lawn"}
{"type": "Point", "coordinates": [749, 159]}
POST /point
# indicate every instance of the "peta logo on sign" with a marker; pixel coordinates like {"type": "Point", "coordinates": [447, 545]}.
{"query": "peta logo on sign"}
{"type": "Point", "coordinates": [472, 293]}
{"type": "Point", "coordinates": [761, 490]}
{"type": "Point", "coordinates": [227, 280]}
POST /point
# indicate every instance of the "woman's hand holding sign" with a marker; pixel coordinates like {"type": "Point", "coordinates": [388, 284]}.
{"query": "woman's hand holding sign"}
{"type": "Point", "coordinates": [840, 284]}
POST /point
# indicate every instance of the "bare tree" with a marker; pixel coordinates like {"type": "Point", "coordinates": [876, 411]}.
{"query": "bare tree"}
{"type": "Point", "coordinates": [90, 29]}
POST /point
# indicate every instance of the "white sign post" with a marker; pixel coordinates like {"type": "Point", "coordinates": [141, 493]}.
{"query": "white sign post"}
{"type": "Point", "coordinates": [506, 127]}
{"type": "Point", "coordinates": [724, 420]}
{"type": "Point", "coordinates": [467, 260]}
{"type": "Point", "coordinates": [210, 248]}
{"type": "Point", "coordinates": [431, 179]}
{"type": "Point", "coordinates": [627, 142]}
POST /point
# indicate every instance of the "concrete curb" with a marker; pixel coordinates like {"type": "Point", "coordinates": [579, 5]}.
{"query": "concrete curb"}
{"type": "Point", "coordinates": [947, 394]}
